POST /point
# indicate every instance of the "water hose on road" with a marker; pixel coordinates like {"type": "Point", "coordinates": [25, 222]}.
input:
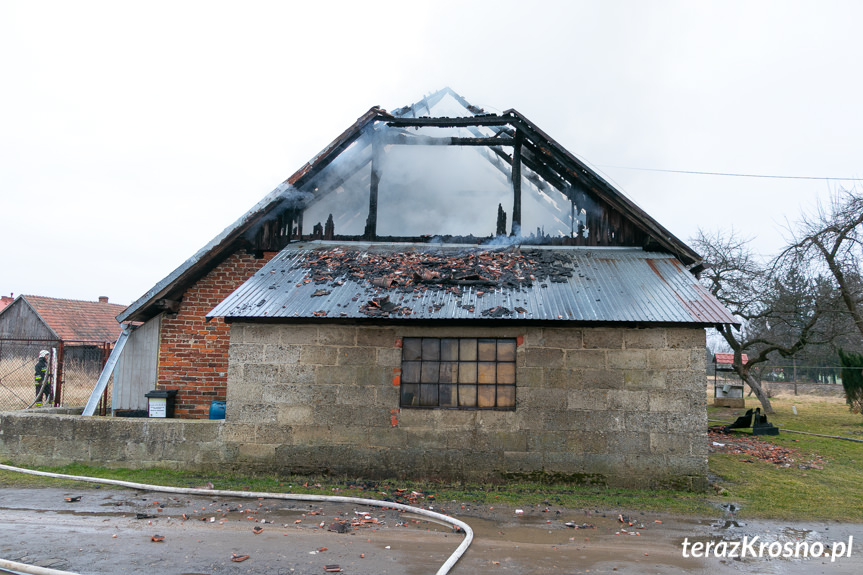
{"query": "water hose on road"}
{"type": "Point", "coordinates": [30, 569]}
{"type": "Point", "coordinates": [444, 569]}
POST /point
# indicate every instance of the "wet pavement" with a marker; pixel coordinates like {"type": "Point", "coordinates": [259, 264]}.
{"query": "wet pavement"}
{"type": "Point", "coordinates": [112, 531]}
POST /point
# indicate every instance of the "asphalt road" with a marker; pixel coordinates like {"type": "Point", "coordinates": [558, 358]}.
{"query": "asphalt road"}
{"type": "Point", "coordinates": [111, 531]}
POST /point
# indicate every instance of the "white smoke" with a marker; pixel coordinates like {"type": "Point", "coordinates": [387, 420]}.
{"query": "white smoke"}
{"type": "Point", "coordinates": [285, 197]}
{"type": "Point", "coordinates": [427, 190]}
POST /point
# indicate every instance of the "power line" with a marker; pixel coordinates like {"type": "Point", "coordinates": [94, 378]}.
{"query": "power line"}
{"type": "Point", "coordinates": [732, 174]}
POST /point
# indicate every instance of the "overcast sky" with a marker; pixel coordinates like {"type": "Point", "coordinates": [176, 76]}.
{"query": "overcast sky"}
{"type": "Point", "coordinates": [132, 133]}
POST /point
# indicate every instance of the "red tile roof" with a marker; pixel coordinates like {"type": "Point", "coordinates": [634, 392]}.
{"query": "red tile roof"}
{"type": "Point", "coordinates": [728, 358]}
{"type": "Point", "coordinates": [5, 300]}
{"type": "Point", "coordinates": [74, 320]}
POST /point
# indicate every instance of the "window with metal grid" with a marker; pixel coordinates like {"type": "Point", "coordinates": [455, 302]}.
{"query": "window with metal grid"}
{"type": "Point", "coordinates": [458, 373]}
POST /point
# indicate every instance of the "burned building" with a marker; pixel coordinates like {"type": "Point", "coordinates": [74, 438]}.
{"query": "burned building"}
{"type": "Point", "coordinates": [444, 292]}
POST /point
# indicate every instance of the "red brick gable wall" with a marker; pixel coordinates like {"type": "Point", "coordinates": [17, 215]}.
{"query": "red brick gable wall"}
{"type": "Point", "coordinates": [193, 353]}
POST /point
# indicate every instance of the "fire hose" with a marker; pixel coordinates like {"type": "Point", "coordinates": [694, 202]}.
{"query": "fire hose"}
{"type": "Point", "coordinates": [39, 392]}
{"type": "Point", "coordinates": [446, 519]}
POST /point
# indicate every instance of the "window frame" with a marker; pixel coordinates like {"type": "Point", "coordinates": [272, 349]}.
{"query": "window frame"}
{"type": "Point", "coordinates": [461, 373]}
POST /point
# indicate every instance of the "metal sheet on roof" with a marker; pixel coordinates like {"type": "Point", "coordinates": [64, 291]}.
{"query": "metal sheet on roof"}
{"type": "Point", "coordinates": [589, 285]}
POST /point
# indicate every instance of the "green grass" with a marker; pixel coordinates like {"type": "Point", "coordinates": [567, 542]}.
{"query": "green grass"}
{"type": "Point", "coordinates": [760, 489]}
{"type": "Point", "coordinates": [515, 494]}
{"type": "Point", "coordinates": [770, 491]}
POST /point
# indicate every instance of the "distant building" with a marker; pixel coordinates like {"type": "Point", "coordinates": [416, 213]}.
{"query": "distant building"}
{"type": "Point", "coordinates": [727, 385]}
{"type": "Point", "coordinates": [79, 335]}
{"type": "Point", "coordinates": [72, 321]}
{"type": "Point", "coordinates": [725, 361]}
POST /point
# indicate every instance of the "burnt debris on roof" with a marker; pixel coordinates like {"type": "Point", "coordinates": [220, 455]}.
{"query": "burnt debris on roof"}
{"type": "Point", "coordinates": [446, 282]}
{"type": "Point", "coordinates": [413, 271]}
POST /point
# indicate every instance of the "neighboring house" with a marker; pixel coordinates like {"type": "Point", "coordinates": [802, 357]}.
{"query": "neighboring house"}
{"type": "Point", "coordinates": [80, 334]}
{"type": "Point", "coordinates": [447, 293]}
{"type": "Point", "coordinates": [73, 322]}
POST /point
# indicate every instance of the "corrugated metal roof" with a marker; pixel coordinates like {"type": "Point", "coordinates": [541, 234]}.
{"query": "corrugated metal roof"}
{"type": "Point", "coordinates": [324, 279]}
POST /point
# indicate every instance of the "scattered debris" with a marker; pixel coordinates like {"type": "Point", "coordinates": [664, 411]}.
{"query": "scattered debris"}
{"type": "Point", "coordinates": [760, 449]}
{"type": "Point", "coordinates": [157, 538]}
{"type": "Point", "coordinates": [497, 311]}
{"type": "Point", "coordinates": [338, 527]}
{"type": "Point", "coordinates": [383, 307]}
{"type": "Point", "coordinates": [573, 525]}
{"type": "Point", "coordinates": [238, 558]}
{"type": "Point", "coordinates": [72, 499]}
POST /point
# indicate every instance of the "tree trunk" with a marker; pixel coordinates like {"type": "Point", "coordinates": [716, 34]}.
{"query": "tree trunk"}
{"type": "Point", "coordinates": [756, 388]}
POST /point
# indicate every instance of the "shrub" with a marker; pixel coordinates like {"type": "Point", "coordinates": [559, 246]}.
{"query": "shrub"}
{"type": "Point", "coordinates": [852, 379]}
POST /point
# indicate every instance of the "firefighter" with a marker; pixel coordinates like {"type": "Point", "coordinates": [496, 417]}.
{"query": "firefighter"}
{"type": "Point", "coordinates": [42, 379]}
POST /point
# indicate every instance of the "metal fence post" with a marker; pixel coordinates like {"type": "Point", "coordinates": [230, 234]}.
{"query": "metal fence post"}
{"type": "Point", "coordinates": [59, 391]}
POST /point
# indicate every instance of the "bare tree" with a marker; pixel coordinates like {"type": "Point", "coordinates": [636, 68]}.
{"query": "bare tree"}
{"type": "Point", "coordinates": [834, 237]}
{"type": "Point", "coordinates": [778, 305]}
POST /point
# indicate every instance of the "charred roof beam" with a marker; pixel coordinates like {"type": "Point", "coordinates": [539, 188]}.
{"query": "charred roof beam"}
{"type": "Point", "coordinates": [488, 120]}
{"type": "Point", "coordinates": [578, 173]}
{"type": "Point", "coordinates": [371, 229]}
{"type": "Point", "coordinates": [404, 138]}
{"type": "Point", "coordinates": [516, 184]}
{"type": "Point", "coordinates": [358, 158]}
{"type": "Point", "coordinates": [339, 145]}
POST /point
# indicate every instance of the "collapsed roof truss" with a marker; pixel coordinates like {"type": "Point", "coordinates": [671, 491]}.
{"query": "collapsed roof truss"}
{"type": "Point", "coordinates": [514, 147]}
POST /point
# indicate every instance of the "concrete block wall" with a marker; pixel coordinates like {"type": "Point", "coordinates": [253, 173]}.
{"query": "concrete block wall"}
{"type": "Point", "coordinates": [623, 407]}
{"type": "Point", "coordinates": [38, 438]}
{"type": "Point", "coordinates": [193, 353]}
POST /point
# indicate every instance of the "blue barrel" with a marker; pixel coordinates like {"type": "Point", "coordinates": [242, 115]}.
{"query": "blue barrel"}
{"type": "Point", "coordinates": [217, 410]}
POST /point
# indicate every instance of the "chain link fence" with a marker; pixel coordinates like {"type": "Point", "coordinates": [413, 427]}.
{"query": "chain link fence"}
{"type": "Point", "coordinates": [73, 369]}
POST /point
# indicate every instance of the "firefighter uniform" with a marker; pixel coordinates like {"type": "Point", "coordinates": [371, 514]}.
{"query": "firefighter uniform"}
{"type": "Point", "coordinates": [41, 377]}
